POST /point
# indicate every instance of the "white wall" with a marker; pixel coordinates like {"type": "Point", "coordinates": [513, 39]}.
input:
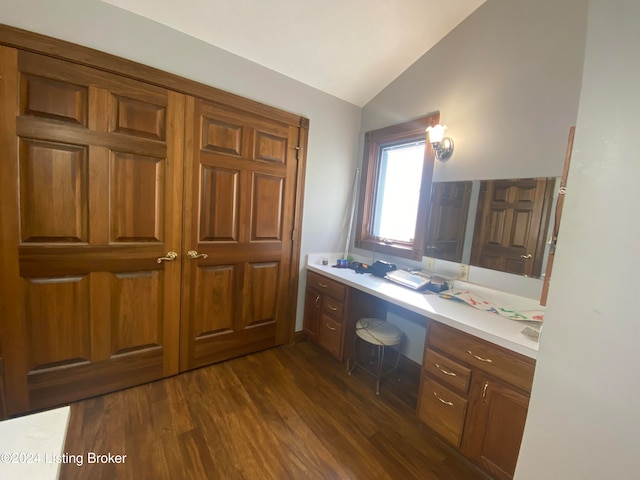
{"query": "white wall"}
{"type": "Point", "coordinates": [507, 83]}
{"type": "Point", "coordinates": [584, 417]}
{"type": "Point", "coordinates": [334, 124]}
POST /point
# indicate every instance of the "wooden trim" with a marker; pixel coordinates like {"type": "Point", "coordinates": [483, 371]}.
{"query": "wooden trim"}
{"type": "Point", "coordinates": [11, 314]}
{"type": "Point", "coordinates": [299, 337]}
{"type": "Point", "coordinates": [557, 218]}
{"type": "Point", "coordinates": [375, 140]}
{"type": "Point", "coordinates": [53, 47]}
{"type": "Point", "coordinates": [294, 277]}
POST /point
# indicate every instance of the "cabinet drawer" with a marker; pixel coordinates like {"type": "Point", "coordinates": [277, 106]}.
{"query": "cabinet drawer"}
{"type": "Point", "coordinates": [446, 370]}
{"type": "Point", "coordinates": [501, 363]}
{"type": "Point", "coordinates": [327, 286]}
{"type": "Point", "coordinates": [330, 336]}
{"type": "Point", "coordinates": [333, 308]}
{"type": "Point", "coordinates": [442, 410]}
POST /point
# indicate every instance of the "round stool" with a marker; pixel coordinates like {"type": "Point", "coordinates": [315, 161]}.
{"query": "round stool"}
{"type": "Point", "coordinates": [380, 334]}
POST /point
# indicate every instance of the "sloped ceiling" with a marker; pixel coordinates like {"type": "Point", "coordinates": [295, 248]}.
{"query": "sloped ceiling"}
{"type": "Point", "coordinates": [351, 49]}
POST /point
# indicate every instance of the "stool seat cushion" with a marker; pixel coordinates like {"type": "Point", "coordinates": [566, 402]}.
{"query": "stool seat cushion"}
{"type": "Point", "coordinates": [378, 332]}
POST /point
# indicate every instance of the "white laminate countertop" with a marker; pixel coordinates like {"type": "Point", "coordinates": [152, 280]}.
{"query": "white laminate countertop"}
{"type": "Point", "coordinates": [487, 326]}
{"type": "Point", "coordinates": [31, 446]}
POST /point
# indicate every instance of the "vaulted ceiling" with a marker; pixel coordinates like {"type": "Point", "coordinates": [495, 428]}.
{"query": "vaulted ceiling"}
{"type": "Point", "coordinates": [351, 49]}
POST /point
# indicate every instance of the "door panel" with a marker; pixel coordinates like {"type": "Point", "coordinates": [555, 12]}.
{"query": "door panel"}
{"type": "Point", "coordinates": [98, 182]}
{"type": "Point", "coordinates": [136, 190]}
{"type": "Point", "coordinates": [267, 208]}
{"type": "Point", "coordinates": [260, 293]}
{"type": "Point", "coordinates": [241, 175]}
{"type": "Point", "coordinates": [53, 192]}
{"type": "Point", "coordinates": [216, 307]}
{"type": "Point", "coordinates": [219, 204]}
{"type": "Point", "coordinates": [54, 305]}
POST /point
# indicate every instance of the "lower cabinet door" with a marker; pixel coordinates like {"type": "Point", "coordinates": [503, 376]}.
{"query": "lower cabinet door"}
{"type": "Point", "coordinates": [330, 336]}
{"type": "Point", "coordinates": [494, 426]}
{"type": "Point", "coordinates": [442, 410]}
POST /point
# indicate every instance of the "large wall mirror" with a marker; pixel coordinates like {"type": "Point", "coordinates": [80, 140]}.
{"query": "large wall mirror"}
{"type": "Point", "coordinates": [496, 224]}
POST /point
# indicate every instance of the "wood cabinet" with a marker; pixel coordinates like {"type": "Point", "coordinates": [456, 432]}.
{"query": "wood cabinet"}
{"type": "Point", "coordinates": [146, 230]}
{"type": "Point", "coordinates": [331, 311]}
{"type": "Point", "coordinates": [325, 320]}
{"type": "Point", "coordinates": [475, 395]}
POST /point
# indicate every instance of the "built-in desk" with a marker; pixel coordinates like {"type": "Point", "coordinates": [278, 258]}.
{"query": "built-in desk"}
{"type": "Point", "coordinates": [477, 367]}
{"type": "Point", "coordinates": [487, 326]}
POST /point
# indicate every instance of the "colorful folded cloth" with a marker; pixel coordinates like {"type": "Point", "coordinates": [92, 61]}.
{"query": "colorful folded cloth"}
{"type": "Point", "coordinates": [481, 304]}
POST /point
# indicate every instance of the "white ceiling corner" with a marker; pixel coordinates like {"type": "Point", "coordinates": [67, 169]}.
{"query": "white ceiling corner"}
{"type": "Point", "coordinates": [350, 49]}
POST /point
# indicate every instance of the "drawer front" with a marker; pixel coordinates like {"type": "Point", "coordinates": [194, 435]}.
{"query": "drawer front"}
{"type": "Point", "coordinates": [511, 367]}
{"type": "Point", "coordinates": [327, 286]}
{"type": "Point", "coordinates": [330, 336]}
{"type": "Point", "coordinates": [446, 371]}
{"type": "Point", "coordinates": [333, 308]}
{"type": "Point", "coordinates": [442, 410]}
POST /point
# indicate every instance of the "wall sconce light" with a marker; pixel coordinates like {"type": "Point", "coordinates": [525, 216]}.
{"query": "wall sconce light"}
{"type": "Point", "coordinates": [443, 146]}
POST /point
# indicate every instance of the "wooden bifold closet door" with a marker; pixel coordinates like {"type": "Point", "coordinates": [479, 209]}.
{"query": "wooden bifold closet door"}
{"type": "Point", "coordinates": [106, 184]}
{"type": "Point", "coordinates": [94, 170]}
{"type": "Point", "coordinates": [240, 192]}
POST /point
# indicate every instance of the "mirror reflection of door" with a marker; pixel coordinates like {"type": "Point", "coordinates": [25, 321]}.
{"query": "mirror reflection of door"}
{"type": "Point", "coordinates": [447, 220]}
{"type": "Point", "coordinates": [511, 224]}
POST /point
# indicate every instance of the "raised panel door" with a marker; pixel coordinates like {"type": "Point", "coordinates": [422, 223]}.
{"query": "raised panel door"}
{"type": "Point", "coordinates": [447, 220]}
{"type": "Point", "coordinates": [495, 425]}
{"type": "Point", "coordinates": [96, 174]}
{"type": "Point", "coordinates": [511, 225]}
{"type": "Point", "coordinates": [240, 180]}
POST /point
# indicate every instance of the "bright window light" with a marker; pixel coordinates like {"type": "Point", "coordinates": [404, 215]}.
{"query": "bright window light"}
{"type": "Point", "coordinates": [398, 192]}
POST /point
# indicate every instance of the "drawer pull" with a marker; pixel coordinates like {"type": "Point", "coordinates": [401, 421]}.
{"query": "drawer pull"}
{"type": "Point", "coordinates": [486, 360]}
{"type": "Point", "coordinates": [333, 329]}
{"type": "Point", "coordinates": [451, 374]}
{"type": "Point", "coordinates": [331, 307]}
{"type": "Point", "coordinates": [323, 285]}
{"type": "Point", "coordinates": [318, 301]}
{"type": "Point", "coordinates": [442, 401]}
{"type": "Point", "coordinates": [484, 391]}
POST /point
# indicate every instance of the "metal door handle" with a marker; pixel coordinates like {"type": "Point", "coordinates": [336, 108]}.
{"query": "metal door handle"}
{"type": "Point", "coordinates": [171, 256]}
{"type": "Point", "coordinates": [192, 254]}
{"type": "Point", "coordinates": [527, 256]}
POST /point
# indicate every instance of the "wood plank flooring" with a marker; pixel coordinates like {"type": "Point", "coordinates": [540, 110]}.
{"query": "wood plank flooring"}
{"type": "Point", "coordinates": [287, 413]}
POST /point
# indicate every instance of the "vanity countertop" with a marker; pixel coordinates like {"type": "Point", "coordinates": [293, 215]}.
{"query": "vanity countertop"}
{"type": "Point", "coordinates": [31, 446]}
{"type": "Point", "coordinates": [487, 326]}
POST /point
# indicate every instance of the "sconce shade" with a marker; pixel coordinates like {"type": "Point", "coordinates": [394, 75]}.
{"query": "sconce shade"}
{"type": "Point", "coordinates": [436, 133]}
{"type": "Point", "coordinates": [442, 146]}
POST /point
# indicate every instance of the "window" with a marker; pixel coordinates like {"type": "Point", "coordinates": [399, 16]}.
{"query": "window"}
{"type": "Point", "coordinates": [396, 183]}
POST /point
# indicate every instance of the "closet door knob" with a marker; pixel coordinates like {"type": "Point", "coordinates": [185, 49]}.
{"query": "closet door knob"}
{"type": "Point", "coordinates": [171, 256]}
{"type": "Point", "coordinates": [193, 254]}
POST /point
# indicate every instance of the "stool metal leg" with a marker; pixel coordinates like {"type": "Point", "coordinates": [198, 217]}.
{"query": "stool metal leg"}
{"type": "Point", "coordinates": [380, 364]}
{"type": "Point", "coordinates": [399, 349]}
{"type": "Point", "coordinates": [355, 355]}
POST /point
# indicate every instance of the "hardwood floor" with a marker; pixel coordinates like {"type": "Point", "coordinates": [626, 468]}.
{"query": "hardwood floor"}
{"type": "Point", "coordinates": [287, 413]}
